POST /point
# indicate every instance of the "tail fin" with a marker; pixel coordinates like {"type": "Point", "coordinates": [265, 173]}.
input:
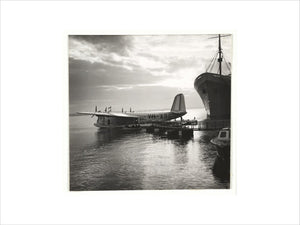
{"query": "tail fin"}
{"type": "Point", "coordinates": [178, 104]}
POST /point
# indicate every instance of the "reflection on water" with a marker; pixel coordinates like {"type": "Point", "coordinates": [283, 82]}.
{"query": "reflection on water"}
{"type": "Point", "coordinates": [136, 160]}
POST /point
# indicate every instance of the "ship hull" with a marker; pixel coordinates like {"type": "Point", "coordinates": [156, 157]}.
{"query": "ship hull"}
{"type": "Point", "coordinates": [215, 92]}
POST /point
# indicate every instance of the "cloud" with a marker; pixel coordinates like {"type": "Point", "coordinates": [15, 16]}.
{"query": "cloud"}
{"type": "Point", "coordinates": [85, 77]}
{"type": "Point", "coordinates": [103, 67]}
{"type": "Point", "coordinates": [83, 73]}
{"type": "Point", "coordinates": [177, 64]}
{"type": "Point", "coordinates": [119, 44]}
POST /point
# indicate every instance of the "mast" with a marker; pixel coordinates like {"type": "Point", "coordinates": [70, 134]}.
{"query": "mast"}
{"type": "Point", "coordinates": [220, 56]}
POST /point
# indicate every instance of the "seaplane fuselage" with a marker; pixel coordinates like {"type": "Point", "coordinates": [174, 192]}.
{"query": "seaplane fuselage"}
{"type": "Point", "coordinates": [123, 120]}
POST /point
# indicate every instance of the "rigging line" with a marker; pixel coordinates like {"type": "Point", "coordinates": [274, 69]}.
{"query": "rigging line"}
{"type": "Point", "coordinates": [215, 62]}
{"type": "Point", "coordinates": [211, 65]}
{"type": "Point", "coordinates": [227, 65]}
{"type": "Point", "coordinates": [212, 62]}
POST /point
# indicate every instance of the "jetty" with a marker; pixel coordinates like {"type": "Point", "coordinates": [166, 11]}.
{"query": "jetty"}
{"type": "Point", "coordinates": [185, 128]}
{"type": "Point", "coordinates": [172, 129]}
{"type": "Point", "coordinates": [209, 124]}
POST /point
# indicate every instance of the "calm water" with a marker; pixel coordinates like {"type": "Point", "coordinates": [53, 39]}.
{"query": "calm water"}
{"type": "Point", "coordinates": [136, 160]}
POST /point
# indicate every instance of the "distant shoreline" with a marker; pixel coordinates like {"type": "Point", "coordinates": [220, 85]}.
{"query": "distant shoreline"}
{"type": "Point", "coordinates": [75, 114]}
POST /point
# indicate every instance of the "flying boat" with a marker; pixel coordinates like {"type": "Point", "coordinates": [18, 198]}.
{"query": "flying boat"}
{"type": "Point", "coordinates": [110, 119]}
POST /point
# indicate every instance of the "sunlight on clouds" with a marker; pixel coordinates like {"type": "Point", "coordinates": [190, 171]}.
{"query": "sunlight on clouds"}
{"type": "Point", "coordinates": [184, 79]}
{"type": "Point", "coordinates": [116, 57]}
{"type": "Point", "coordinates": [148, 63]}
{"type": "Point", "coordinates": [161, 73]}
{"type": "Point", "coordinates": [160, 55]}
{"type": "Point", "coordinates": [87, 52]}
{"type": "Point", "coordinates": [111, 64]}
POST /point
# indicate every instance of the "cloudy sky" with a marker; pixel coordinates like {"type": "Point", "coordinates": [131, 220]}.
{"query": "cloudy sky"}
{"type": "Point", "coordinates": [141, 72]}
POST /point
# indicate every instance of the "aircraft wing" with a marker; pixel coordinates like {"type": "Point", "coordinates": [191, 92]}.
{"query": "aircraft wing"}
{"type": "Point", "coordinates": [120, 115]}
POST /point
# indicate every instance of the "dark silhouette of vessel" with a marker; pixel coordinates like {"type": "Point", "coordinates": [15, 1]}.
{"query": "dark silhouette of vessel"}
{"type": "Point", "coordinates": [215, 88]}
{"type": "Point", "coordinates": [221, 168]}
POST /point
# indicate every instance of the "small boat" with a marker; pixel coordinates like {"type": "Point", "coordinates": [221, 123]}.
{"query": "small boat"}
{"type": "Point", "coordinates": [221, 166]}
{"type": "Point", "coordinates": [222, 141]}
{"type": "Point", "coordinates": [223, 138]}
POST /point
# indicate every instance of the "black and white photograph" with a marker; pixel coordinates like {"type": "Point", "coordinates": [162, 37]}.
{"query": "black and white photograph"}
{"type": "Point", "coordinates": [150, 112]}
